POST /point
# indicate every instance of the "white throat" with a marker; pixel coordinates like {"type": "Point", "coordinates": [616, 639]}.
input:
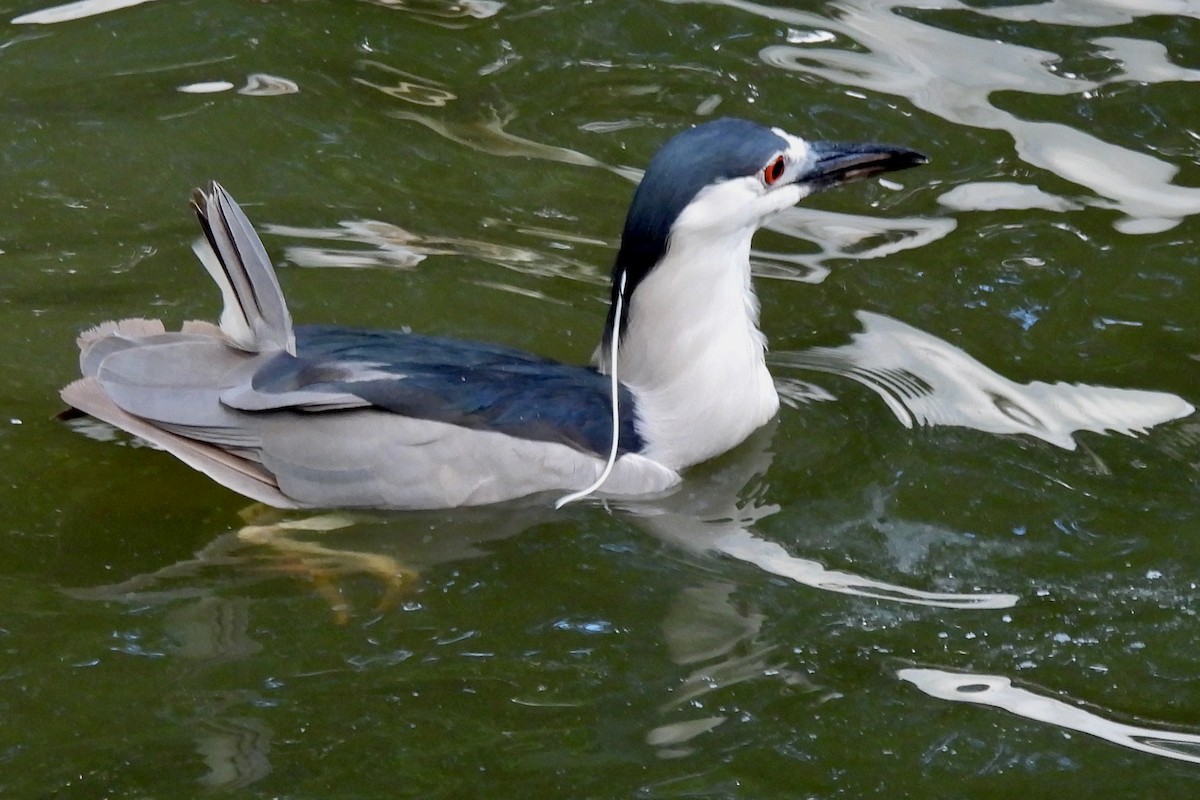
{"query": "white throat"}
{"type": "Point", "coordinates": [692, 353]}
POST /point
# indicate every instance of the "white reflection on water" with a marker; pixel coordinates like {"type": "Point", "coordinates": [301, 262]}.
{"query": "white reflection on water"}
{"type": "Point", "coordinates": [260, 84]}
{"type": "Point", "coordinates": [837, 236]}
{"type": "Point", "coordinates": [842, 236]}
{"type": "Point", "coordinates": [205, 87]}
{"type": "Point", "coordinates": [440, 12]}
{"type": "Point", "coordinates": [77, 10]}
{"type": "Point", "coordinates": [709, 515]}
{"type": "Point", "coordinates": [996, 195]}
{"type": "Point", "coordinates": [406, 86]}
{"type": "Point", "coordinates": [446, 13]}
{"type": "Point", "coordinates": [486, 134]}
{"type": "Point", "coordinates": [998, 691]}
{"type": "Point", "coordinates": [715, 514]}
{"type": "Point", "coordinates": [925, 380]}
{"type": "Point", "coordinates": [1091, 13]}
{"type": "Point", "coordinates": [363, 244]}
{"type": "Point", "coordinates": [894, 54]}
{"type": "Point", "coordinates": [733, 538]}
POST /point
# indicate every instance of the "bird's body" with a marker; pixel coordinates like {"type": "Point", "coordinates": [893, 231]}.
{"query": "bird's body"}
{"type": "Point", "coordinates": [331, 416]}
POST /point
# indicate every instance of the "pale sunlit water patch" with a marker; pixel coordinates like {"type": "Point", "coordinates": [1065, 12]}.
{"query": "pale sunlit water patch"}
{"type": "Point", "coordinates": [795, 393]}
{"type": "Point", "coordinates": [446, 13]}
{"type": "Point", "coordinates": [74, 11]}
{"type": "Point", "coordinates": [709, 516]}
{"type": "Point", "coordinates": [708, 105]}
{"type": "Point", "coordinates": [925, 380]}
{"type": "Point", "coordinates": [522, 292]}
{"type": "Point", "coordinates": [363, 244]}
{"type": "Point", "coordinates": [206, 87]}
{"type": "Point", "coordinates": [774, 559]}
{"type": "Point", "coordinates": [261, 84]}
{"type": "Point", "coordinates": [481, 130]}
{"type": "Point", "coordinates": [795, 267]}
{"type": "Point", "coordinates": [258, 84]}
{"type": "Point", "coordinates": [406, 86]}
{"type": "Point", "coordinates": [382, 245]}
{"type": "Point", "coordinates": [236, 749]}
{"type": "Point", "coordinates": [999, 692]}
{"type": "Point", "coordinates": [843, 236]}
{"type": "Point", "coordinates": [923, 64]}
{"type": "Point", "coordinates": [608, 126]}
{"type": "Point", "coordinates": [487, 135]}
{"type": "Point", "coordinates": [1145, 61]}
{"type": "Point", "coordinates": [1091, 13]}
{"type": "Point", "coordinates": [1003, 195]}
{"type": "Point", "coordinates": [557, 237]}
{"type": "Point", "coordinates": [103, 432]}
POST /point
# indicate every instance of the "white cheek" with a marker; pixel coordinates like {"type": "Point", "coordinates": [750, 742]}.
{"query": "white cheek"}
{"type": "Point", "coordinates": [787, 196]}
{"type": "Point", "coordinates": [731, 204]}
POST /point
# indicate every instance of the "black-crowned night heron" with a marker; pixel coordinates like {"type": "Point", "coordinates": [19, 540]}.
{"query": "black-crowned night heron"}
{"type": "Point", "coordinates": [332, 416]}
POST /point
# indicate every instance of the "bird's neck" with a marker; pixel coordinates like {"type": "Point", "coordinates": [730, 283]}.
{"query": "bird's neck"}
{"type": "Point", "coordinates": [692, 353]}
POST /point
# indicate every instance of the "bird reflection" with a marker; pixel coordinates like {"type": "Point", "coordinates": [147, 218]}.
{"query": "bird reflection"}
{"type": "Point", "coordinates": [707, 632]}
{"type": "Point", "coordinates": [716, 639]}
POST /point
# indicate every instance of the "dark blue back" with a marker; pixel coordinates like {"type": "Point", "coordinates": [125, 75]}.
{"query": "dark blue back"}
{"type": "Point", "coordinates": [472, 384]}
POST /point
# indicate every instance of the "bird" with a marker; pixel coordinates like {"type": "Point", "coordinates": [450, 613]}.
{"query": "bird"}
{"type": "Point", "coordinates": [326, 416]}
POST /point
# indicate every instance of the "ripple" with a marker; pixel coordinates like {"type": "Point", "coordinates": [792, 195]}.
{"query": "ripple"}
{"type": "Point", "coordinates": [925, 380]}
{"type": "Point", "coordinates": [261, 84]}
{"type": "Point", "coordinates": [1086, 14]}
{"type": "Point", "coordinates": [406, 86]}
{"type": "Point", "coordinates": [445, 13]}
{"type": "Point", "coordinates": [1004, 195]}
{"type": "Point", "coordinates": [999, 692]}
{"type": "Point", "coordinates": [206, 87]}
{"type": "Point", "coordinates": [923, 63]}
{"type": "Point", "coordinates": [73, 11]}
{"type": "Point", "coordinates": [369, 244]}
{"type": "Point", "coordinates": [773, 558]}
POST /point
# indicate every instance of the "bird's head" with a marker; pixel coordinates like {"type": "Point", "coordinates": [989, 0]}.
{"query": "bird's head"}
{"type": "Point", "coordinates": [723, 179]}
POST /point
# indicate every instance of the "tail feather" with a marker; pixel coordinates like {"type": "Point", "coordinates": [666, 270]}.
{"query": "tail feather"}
{"type": "Point", "coordinates": [228, 469]}
{"type": "Point", "coordinates": [101, 341]}
{"type": "Point", "coordinates": [255, 317]}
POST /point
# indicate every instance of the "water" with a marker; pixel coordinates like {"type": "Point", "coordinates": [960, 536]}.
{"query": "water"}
{"type": "Point", "coordinates": [963, 563]}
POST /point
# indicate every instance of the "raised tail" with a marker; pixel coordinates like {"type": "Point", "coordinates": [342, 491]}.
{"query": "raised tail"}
{"type": "Point", "coordinates": [255, 317]}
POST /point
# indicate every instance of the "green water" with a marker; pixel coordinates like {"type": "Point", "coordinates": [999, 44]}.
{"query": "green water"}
{"type": "Point", "coordinates": [754, 636]}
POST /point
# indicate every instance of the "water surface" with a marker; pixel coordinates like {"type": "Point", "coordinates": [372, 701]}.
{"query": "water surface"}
{"type": "Point", "coordinates": [962, 563]}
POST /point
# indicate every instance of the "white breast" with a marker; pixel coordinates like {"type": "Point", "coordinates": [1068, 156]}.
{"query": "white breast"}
{"type": "Point", "coordinates": [692, 352]}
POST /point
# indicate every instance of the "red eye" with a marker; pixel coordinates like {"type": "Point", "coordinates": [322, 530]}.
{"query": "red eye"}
{"type": "Point", "coordinates": [773, 171]}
